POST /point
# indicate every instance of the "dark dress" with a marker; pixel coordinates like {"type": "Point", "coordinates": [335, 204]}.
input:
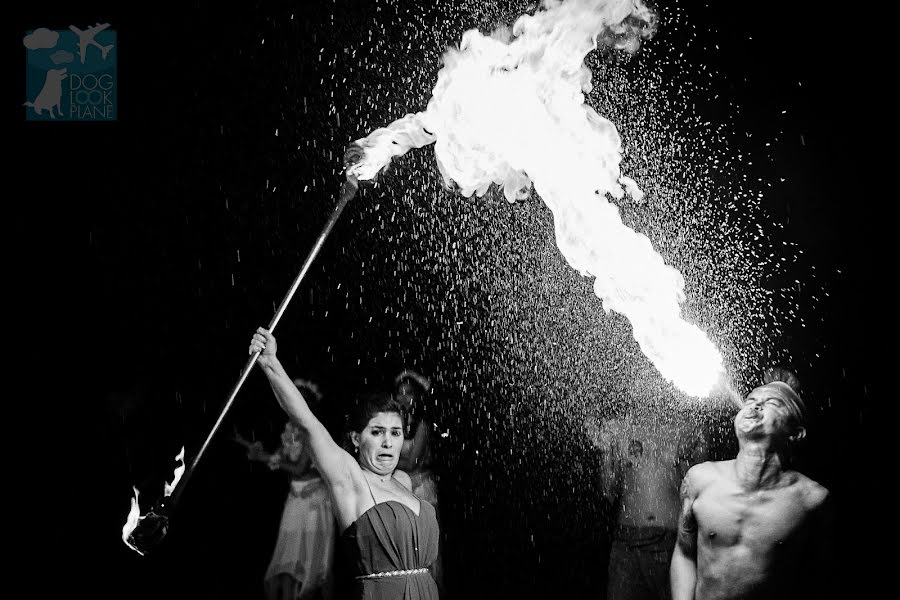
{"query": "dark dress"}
{"type": "Point", "coordinates": [386, 538]}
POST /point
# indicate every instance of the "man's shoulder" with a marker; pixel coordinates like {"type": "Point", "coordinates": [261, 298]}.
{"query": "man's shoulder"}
{"type": "Point", "coordinates": [709, 467]}
{"type": "Point", "coordinates": [706, 472]}
{"type": "Point", "coordinates": [814, 493]}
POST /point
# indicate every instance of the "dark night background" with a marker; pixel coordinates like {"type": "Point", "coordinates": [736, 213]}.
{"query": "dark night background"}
{"type": "Point", "coordinates": [144, 252]}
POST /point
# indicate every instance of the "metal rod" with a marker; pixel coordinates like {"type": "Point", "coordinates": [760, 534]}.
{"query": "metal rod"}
{"type": "Point", "coordinates": [348, 191]}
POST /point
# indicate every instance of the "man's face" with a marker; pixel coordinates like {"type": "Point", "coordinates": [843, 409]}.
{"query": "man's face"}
{"type": "Point", "coordinates": [764, 413]}
{"type": "Point", "coordinates": [407, 394]}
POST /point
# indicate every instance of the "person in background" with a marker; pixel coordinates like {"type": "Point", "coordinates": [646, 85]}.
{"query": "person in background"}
{"type": "Point", "coordinates": [301, 567]}
{"type": "Point", "coordinates": [644, 454]}
{"type": "Point", "coordinates": [413, 391]}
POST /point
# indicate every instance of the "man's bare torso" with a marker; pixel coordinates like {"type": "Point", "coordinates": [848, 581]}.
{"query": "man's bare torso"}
{"type": "Point", "coordinates": [648, 457]}
{"type": "Point", "coordinates": [746, 538]}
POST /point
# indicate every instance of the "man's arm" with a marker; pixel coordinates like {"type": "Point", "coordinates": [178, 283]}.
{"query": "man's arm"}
{"type": "Point", "coordinates": [824, 570]}
{"type": "Point", "coordinates": [683, 569]}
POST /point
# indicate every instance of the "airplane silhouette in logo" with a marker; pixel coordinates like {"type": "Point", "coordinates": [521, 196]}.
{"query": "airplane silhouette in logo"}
{"type": "Point", "coordinates": [86, 38]}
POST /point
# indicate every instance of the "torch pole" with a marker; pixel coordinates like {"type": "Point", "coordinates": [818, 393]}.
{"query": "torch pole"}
{"type": "Point", "coordinates": [348, 191]}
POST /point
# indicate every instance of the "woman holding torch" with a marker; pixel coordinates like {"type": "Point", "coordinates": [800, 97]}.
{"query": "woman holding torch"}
{"type": "Point", "coordinates": [389, 538]}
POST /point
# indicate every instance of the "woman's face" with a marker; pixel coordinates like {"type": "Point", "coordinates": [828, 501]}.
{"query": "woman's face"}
{"type": "Point", "coordinates": [380, 442]}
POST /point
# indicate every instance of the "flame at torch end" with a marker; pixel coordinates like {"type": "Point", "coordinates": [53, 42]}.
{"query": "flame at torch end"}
{"type": "Point", "coordinates": [146, 531]}
{"type": "Point", "coordinates": [134, 517]}
{"type": "Point", "coordinates": [510, 109]}
{"type": "Point", "coordinates": [383, 144]}
{"type": "Point", "coordinates": [179, 471]}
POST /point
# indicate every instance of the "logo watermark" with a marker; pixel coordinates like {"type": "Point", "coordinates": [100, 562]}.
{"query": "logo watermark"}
{"type": "Point", "coordinates": [70, 74]}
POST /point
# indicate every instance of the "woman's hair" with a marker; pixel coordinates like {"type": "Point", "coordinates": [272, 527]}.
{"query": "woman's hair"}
{"type": "Point", "coordinates": [368, 405]}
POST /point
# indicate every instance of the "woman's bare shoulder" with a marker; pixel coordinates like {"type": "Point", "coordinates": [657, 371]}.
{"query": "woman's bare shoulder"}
{"type": "Point", "coordinates": [403, 478]}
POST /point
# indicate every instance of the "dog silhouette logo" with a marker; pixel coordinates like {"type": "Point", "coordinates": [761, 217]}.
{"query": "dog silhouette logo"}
{"type": "Point", "coordinates": [51, 94]}
{"type": "Point", "coordinates": [71, 74]}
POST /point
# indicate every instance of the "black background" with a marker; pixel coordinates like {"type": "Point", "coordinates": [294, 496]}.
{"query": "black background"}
{"type": "Point", "coordinates": [130, 307]}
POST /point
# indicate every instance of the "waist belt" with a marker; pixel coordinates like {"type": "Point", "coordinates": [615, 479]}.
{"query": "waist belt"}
{"type": "Point", "coordinates": [393, 574]}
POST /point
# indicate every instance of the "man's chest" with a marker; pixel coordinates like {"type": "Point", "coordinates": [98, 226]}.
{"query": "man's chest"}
{"type": "Point", "coordinates": [727, 516]}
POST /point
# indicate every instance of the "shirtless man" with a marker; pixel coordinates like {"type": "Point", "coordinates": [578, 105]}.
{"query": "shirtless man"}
{"type": "Point", "coordinates": [644, 457]}
{"type": "Point", "coordinates": [751, 526]}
